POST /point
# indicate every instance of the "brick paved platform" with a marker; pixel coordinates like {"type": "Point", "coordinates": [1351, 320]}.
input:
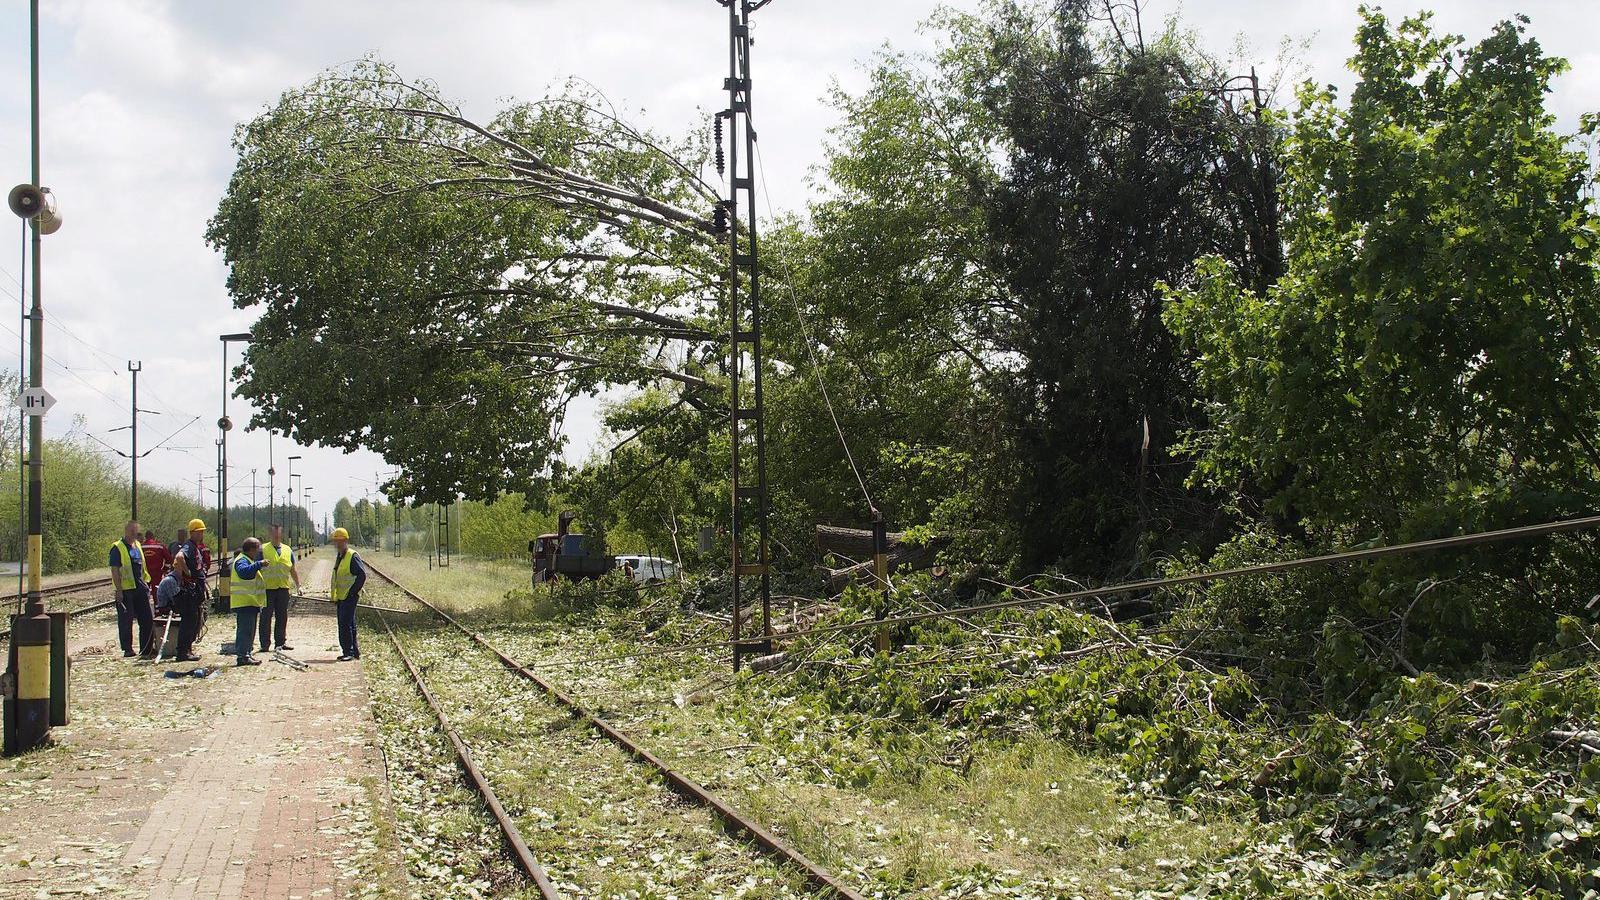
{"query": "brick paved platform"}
{"type": "Point", "coordinates": [256, 782]}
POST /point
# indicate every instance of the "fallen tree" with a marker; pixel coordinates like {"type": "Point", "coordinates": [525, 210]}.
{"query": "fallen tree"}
{"type": "Point", "coordinates": [855, 544]}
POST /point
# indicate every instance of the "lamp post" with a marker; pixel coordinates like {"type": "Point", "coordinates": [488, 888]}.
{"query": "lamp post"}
{"type": "Point", "coordinates": [224, 425]}
{"type": "Point", "coordinates": [217, 475]}
{"type": "Point", "coordinates": [310, 519]}
{"type": "Point", "coordinates": [294, 533]}
{"type": "Point", "coordinates": [295, 508]}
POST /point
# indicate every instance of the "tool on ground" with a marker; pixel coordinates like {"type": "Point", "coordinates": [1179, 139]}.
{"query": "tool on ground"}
{"type": "Point", "coordinates": [358, 605]}
{"type": "Point", "coordinates": [291, 662]}
{"type": "Point", "coordinates": [200, 672]}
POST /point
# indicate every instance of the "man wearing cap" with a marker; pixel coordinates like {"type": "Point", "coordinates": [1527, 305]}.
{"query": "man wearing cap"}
{"type": "Point", "coordinates": [191, 564]}
{"type": "Point", "coordinates": [349, 575]}
{"type": "Point", "coordinates": [279, 572]}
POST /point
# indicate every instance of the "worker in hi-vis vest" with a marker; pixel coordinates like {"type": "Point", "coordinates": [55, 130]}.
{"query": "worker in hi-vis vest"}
{"type": "Point", "coordinates": [129, 581]}
{"type": "Point", "coordinates": [279, 572]}
{"type": "Point", "coordinates": [247, 594]}
{"type": "Point", "coordinates": [348, 577]}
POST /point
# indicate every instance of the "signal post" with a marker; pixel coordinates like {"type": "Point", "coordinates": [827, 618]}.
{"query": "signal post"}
{"type": "Point", "coordinates": [36, 680]}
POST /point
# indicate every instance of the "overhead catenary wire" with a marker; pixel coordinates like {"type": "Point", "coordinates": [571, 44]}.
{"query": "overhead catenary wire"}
{"type": "Point", "coordinates": [1130, 587]}
{"type": "Point", "coordinates": [105, 357]}
{"type": "Point", "coordinates": [805, 334]}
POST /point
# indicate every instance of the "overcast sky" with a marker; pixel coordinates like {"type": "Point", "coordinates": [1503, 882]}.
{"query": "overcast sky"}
{"type": "Point", "coordinates": [141, 98]}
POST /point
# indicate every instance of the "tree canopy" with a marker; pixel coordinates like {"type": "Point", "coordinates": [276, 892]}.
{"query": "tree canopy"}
{"type": "Point", "coordinates": [437, 290]}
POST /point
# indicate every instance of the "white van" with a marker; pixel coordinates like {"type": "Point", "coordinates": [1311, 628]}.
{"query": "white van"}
{"type": "Point", "coordinates": [648, 568]}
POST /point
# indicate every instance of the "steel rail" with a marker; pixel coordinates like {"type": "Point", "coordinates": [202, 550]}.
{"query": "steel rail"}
{"type": "Point", "coordinates": [72, 588]}
{"type": "Point", "coordinates": [681, 784]}
{"type": "Point", "coordinates": [480, 782]}
{"type": "Point", "coordinates": [88, 584]}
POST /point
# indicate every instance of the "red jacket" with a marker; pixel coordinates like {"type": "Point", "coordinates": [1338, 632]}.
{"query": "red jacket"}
{"type": "Point", "coordinates": [155, 560]}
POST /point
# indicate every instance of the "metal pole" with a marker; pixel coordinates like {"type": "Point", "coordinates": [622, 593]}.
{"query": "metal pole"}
{"type": "Point", "coordinates": [217, 494]}
{"type": "Point", "coordinates": [253, 502]}
{"type": "Point", "coordinates": [36, 360]}
{"type": "Point", "coordinates": [744, 274]}
{"type": "Point", "coordinates": [134, 367]}
{"type": "Point", "coordinates": [224, 586]}
{"type": "Point", "coordinates": [22, 427]}
{"type": "Point", "coordinates": [35, 700]}
{"type": "Point", "coordinates": [294, 533]}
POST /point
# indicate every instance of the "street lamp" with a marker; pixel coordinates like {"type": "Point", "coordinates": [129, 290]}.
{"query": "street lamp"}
{"type": "Point", "coordinates": [294, 507]}
{"type": "Point", "coordinates": [220, 487]}
{"type": "Point", "coordinates": [294, 533]}
{"type": "Point", "coordinates": [225, 425]}
{"type": "Point", "coordinates": [310, 519]}
{"type": "Point", "coordinates": [272, 483]}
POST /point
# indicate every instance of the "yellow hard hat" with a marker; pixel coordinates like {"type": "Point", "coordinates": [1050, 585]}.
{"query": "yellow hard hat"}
{"type": "Point", "coordinates": [196, 525]}
{"type": "Point", "coordinates": [339, 534]}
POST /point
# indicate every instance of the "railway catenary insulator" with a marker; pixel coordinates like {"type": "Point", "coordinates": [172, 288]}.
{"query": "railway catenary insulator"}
{"type": "Point", "coordinates": [722, 156]}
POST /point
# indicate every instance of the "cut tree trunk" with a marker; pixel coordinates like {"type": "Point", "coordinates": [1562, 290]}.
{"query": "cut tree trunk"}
{"type": "Point", "coordinates": [856, 544]}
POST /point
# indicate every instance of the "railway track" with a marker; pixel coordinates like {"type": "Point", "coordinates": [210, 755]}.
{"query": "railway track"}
{"type": "Point", "coordinates": [480, 782]}
{"type": "Point", "coordinates": [87, 584]}
{"type": "Point", "coordinates": [73, 587]}
{"type": "Point", "coordinates": [816, 878]}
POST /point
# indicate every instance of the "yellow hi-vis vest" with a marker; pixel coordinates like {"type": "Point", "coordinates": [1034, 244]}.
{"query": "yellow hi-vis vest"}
{"type": "Point", "coordinates": [245, 591]}
{"type": "Point", "coordinates": [343, 577]}
{"type": "Point", "coordinates": [278, 564]}
{"type": "Point", "coordinates": [125, 557]}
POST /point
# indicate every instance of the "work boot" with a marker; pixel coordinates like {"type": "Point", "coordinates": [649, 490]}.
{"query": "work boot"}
{"type": "Point", "coordinates": [127, 654]}
{"type": "Point", "coordinates": [247, 661]}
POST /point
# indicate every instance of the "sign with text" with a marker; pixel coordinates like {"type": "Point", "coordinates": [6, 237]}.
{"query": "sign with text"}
{"type": "Point", "coordinates": [35, 401]}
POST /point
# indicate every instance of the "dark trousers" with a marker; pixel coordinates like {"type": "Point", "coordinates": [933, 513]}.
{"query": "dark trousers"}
{"type": "Point", "coordinates": [277, 608]}
{"type": "Point", "coordinates": [244, 630]}
{"type": "Point", "coordinates": [347, 626]}
{"type": "Point", "coordinates": [188, 603]}
{"type": "Point", "coordinates": [135, 605]}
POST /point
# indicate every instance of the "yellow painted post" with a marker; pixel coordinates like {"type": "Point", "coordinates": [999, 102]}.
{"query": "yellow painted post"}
{"type": "Point", "coordinates": [30, 661]}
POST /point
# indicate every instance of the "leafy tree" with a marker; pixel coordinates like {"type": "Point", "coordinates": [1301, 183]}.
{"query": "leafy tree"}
{"type": "Point", "coordinates": [985, 276]}
{"type": "Point", "coordinates": [1427, 363]}
{"type": "Point", "coordinates": [437, 290]}
{"type": "Point", "coordinates": [1126, 161]}
{"type": "Point", "coordinates": [1429, 359]}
